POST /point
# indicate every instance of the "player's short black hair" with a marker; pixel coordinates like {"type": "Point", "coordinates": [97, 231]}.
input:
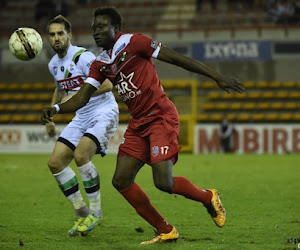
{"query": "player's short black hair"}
{"type": "Point", "coordinates": [63, 20]}
{"type": "Point", "coordinates": [112, 12]}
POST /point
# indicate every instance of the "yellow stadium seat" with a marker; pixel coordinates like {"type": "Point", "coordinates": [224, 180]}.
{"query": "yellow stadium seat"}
{"type": "Point", "coordinates": [288, 84]}
{"type": "Point", "coordinates": [5, 96]}
{"type": "Point", "coordinates": [267, 94]}
{"type": "Point", "coordinates": [271, 117]}
{"type": "Point", "coordinates": [39, 86]}
{"type": "Point", "coordinates": [17, 97]}
{"type": "Point", "coordinates": [5, 118]}
{"type": "Point", "coordinates": [276, 105]}
{"type": "Point", "coordinates": [217, 117]}
{"type": "Point", "coordinates": [2, 107]}
{"type": "Point", "coordinates": [254, 94]}
{"type": "Point", "coordinates": [282, 94]}
{"type": "Point", "coordinates": [231, 116]}
{"type": "Point", "coordinates": [207, 85]}
{"type": "Point", "coordinates": [25, 107]}
{"type": "Point", "coordinates": [11, 107]}
{"type": "Point", "coordinates": [262, 84]}
{"type": "Point", "coordinates": [249, 105]}
{"type": "Point", "coordinates": [31, 97]}
{"type": "Point", "coordinates": [222, 105]}
{"type": "Point", "coordinates": [202, 117]}
{"type": "Point", "coordinates": [249, 84]}
{"type": "Point", "coordinates": [293, 94]}
{"type": "Point", "coordinates": [275, 84]}
{"type": "Point", "coordinates": [45, 97]}
{"type": "Point", "coordinates": [239, 95]}
{"type": "Point", "coordinates": [213, 95]}
{"type": "Point", "coordinates": [18, 118]}
{"type": "Point", "coordinates": [13, 86]}
{"type": "Point", "coordinates": [244, 117]}
{"type": "Point", "coordinates": [285, 117]}
{"type": "Point", "coordinates": [290, 105]}
{"type": "Point", "coordinates": [3, 86]}
{"type": "Point", "coordinates": [296, 117]}
{"type": "Point", "coordinates": [38, 106]}
{"type": "Point", "coordinates": [32, 118]}
{"type": "Point", "coordinates": [26, 86]}
{"type": "Point", "coordinates": [208, 106]}
{"type": "Point", "coordinates": [225, 95]}
{"type": "Point", "coordinates": [263, 105]}
{"type": "Point", "coordinates": [258, 117]}
{"type": "Point", "coordinates": [124, 117]}
{"type": "Point", "coordinates": [235, 106]}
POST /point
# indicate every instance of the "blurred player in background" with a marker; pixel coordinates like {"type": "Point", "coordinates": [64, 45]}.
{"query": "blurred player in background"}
{"type": "Point", "coordinates": [153, 131]}
{"type": "Point", "coordinates": [87, 134]}
{"type": "Point", "coordinates": [225, 134]}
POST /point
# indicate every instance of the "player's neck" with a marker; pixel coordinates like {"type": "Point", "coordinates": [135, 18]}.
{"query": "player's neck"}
{"type": "Point", "coordinates": [61, 55]}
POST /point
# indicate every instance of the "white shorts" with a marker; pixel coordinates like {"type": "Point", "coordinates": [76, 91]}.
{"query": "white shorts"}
{"type": "Point", "coordinates": [99, 126]}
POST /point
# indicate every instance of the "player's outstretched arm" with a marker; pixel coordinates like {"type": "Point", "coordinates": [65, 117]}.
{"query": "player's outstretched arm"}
{"type": "Point", "coordinates": [224, 82]}
{"type": "Point", "coordinates": [76, 102]}
{"type": "Point", "coordinates": [106, 86]}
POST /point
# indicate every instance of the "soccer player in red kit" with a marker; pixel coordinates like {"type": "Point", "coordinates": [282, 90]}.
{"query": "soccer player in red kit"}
{"type": "Point", "coordinates": [152, 133]}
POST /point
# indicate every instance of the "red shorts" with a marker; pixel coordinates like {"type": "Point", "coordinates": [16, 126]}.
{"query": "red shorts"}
{"type": "Point", "coordinates": [154, 141]}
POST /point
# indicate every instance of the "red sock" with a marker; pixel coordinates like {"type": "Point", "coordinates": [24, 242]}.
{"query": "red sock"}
{"type": "Point", "coordinates": [140, 201]}
{"type": "Point", "coordinates": [184, 187]}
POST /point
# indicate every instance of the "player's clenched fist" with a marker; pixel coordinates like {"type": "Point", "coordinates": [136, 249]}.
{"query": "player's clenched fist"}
{"type": "Point", "coordinates": [47, 114]}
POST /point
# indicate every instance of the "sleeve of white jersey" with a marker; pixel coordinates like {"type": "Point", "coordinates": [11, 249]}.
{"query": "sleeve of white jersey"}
{"type": "Point", "coordinates": [156, 51]}
{"type": "Point", "coordinates": [93, 82]}
{"type": "Point", "coordinates": [85, 61]}
{"type": "Point", "coordinates": [50, 67]}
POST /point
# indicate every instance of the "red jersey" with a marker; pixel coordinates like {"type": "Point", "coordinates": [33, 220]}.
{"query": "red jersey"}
{"type": "Point", "coordinates": [129, 66]}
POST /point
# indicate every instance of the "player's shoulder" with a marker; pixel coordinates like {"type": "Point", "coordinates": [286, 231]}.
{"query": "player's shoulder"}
{"type": "Point", "coordinates": [81, 52]}
{"type": "Point", "coordinates": [53, 60]}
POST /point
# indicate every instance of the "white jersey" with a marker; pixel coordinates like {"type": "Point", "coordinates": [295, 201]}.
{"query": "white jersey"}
{"type": "Point", "coordinates": [70, 73]}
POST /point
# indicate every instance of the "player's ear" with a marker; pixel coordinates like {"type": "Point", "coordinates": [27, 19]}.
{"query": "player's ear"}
{"type": "Point", "coordinates": [70, 35]}
{"type": "Point", "coordinates": [116, 29]}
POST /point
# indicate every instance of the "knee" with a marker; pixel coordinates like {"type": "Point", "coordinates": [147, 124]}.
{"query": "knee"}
{"type": "Point", "coordinates": [165, 186]}
{"type": "Point", "coordinates": [120, 183]}
{"type": "Point", "coordinates": [54, 165]}
{"type": "Point", "coordinates": [81, 158]}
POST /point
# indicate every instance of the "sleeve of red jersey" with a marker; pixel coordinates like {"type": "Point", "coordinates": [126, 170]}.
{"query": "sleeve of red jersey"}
{"type": "Point", "coordinates": [95, 77]}
{"type": "Point", "coordinates": [145, 46]}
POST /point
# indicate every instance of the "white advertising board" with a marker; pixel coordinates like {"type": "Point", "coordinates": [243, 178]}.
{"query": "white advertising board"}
{"type": "Point", "coordinates": [34, 139]}
{"type": "Point", "coordinates": [250, 138]}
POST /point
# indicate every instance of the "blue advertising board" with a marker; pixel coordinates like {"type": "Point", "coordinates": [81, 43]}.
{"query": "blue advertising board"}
{"type": "Point", "coordinates": [232, 51]}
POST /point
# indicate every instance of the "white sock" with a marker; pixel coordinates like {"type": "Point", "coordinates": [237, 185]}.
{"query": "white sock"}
{"type": "Point", "coordinates": [91, 183]}
{"type": "Point", "coordinates": [68, 183]}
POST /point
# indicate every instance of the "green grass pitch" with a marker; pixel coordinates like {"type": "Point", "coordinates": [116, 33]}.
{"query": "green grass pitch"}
{"type": "Point", "coordinates": [261, 194]}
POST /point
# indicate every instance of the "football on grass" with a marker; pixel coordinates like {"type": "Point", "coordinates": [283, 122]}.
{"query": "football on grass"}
{"type": "Point", "coordinates": [25, 43]}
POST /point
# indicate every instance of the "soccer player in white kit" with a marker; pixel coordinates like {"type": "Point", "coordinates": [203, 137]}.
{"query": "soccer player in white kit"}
{"type": "Point", "coordinates": [87, 134]}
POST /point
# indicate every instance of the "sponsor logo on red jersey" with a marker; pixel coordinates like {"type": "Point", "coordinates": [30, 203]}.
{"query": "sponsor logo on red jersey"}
{"type": "Point", "coordinates": [126, 89]}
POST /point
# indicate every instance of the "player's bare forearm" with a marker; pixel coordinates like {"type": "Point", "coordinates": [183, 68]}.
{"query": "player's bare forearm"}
{"type": "Point", "coordinates": [170, 56]}
{"type": "Point", "coordinates": [76, 102]}
{"type": "Point", "coordinates": [227, 83]}
{"type": "Point", "coordinates": [57, 96]}
{"type": "Point", "coordinates": [79, 100]}
{"type": "Point", "coordinates": [106, 86]}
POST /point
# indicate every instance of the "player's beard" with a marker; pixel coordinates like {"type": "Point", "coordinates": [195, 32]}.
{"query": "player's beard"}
{"type": "Point", "coordinates": [62, 49]}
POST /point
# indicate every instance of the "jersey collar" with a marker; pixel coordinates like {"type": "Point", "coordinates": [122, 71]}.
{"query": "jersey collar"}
{"type": "Point", "coordinates": [109, 52]}
{"type": "Point", "coordinates": [117, 36]}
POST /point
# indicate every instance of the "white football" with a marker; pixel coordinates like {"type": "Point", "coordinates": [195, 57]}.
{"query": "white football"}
{"type": "Point", "coordinates": [25, 43]}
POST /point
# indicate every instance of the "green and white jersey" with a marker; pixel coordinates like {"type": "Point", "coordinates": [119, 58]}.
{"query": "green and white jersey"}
{"type": "Point", "coordinates": [70, 73]}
